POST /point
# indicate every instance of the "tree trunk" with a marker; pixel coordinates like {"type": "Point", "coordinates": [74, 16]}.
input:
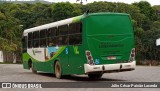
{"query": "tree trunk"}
{"type": "Point", "coordinates": [14, 57]}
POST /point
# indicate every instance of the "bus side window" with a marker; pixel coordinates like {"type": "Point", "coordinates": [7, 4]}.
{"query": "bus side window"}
{"type": "Point", "coordinates": [63, 40]}
{"type": "Point", "coordinates": [62, 37]}
{"type": "Point", "coordinates": [52, 33]}
{"type": "Point", "coordinates": [75, 39]}
{"type": "Point", "coordinates": [43, 38]}
{"type": "Point", "coordinates": [36, 39]}
{"type": "Point", "coordinates": [30, 40]}
{"type": "Point", "coordinates": [63, 30]}
{"type": "Point", "coordinates": [75, 28]}
{"type": "Point", "coordinates": [24, 44]}
{"type": "Point", "coordinates": [52, 41]}
{"type": "Point", "coordinates": [75, 33]}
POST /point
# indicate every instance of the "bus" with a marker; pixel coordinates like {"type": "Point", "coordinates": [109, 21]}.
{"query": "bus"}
{"type": "Point", "coordinates": [91, 44]}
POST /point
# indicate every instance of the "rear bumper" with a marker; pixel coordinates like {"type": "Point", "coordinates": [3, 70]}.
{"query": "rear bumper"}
{"type": "Point", "coordinates": [108, 68]}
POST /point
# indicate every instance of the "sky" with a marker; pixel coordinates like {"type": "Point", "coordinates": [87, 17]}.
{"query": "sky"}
{"type": "Point", "coordinates": [152, 2]}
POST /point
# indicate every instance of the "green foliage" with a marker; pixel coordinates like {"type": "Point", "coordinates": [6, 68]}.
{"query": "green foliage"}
{"type": "Point", "coordinates": [145, 20]}
{"type": "Point", "coordinates": [146, 9]}
{"type": "Point", "coordinates": [2, 16]}
{"type": "Point", "coordinates": [64, 10]}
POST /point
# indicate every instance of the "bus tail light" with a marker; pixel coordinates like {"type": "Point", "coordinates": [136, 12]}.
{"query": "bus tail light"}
{"type": "Point", "coordinates": [132, 55]}
{"type": "Point", "coordinates": [89, 58]}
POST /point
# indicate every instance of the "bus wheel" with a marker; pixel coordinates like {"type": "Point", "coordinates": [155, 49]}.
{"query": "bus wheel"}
{"type": "Point", "coordinates": [33, 70]}
{"type": "Point", "coordinates": [95, 76]}
{"type": "Point", "coordinates": [58, 70]}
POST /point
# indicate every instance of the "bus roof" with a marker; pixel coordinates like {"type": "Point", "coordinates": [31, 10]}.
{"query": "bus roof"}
{"type": "Point", "coordinates": [54, 24]}
{"type": "Point", "coordinates": [67, 21]}
{"type": "Point", "coordinates": [108, 13]}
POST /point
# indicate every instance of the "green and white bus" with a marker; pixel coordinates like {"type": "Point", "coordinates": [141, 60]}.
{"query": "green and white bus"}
{"type": "Point", "coordinates": [91, 44]}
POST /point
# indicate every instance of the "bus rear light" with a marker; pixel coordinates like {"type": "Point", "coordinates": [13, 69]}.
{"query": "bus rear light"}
{"type": "Point", "coordinates": [89, 58]}
{"type": "Point", "coordinates": [131, 59]}
{"type": "Point", "coordinates": [133, 50]}
{"type": "Point", "coordinates": [91, 62]}
{"type": "Point", "coordinates": [88, 53]}
{"type": "Point", "coordinates": [132, 55]}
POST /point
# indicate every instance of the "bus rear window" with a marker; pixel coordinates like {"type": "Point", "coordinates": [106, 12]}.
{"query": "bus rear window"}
{"type": "Point", "coordinates": [109, 24]}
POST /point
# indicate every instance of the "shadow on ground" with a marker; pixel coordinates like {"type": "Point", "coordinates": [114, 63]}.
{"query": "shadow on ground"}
{"type": "Point", "coordinates": [78, 78]}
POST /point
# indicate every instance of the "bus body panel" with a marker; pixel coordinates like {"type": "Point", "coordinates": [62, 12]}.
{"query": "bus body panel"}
{"type": "Point", "coordinates": [73, 65]}
{"type": "Point", "coordinates": [76, 59]}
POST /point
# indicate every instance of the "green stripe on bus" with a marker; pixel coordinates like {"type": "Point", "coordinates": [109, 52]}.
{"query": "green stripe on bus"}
{"type": "Point", "coordinates": [78, 18]}
{"type": "Point", "coordinates": [60, 50]}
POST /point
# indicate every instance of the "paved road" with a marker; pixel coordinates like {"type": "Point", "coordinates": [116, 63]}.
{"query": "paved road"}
{"type": "Point", "coordinates": [16, 73]}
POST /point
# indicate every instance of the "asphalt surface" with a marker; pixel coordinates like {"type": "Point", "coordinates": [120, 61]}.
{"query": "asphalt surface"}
{"type": "Point", "coordinates": [16, 73]}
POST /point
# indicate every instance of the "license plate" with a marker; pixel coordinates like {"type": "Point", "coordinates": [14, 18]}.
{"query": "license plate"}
{"type": "Point", "coordinates": [111, 58]}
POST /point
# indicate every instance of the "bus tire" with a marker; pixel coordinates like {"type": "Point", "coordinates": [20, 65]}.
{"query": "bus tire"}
{"type": "Point", "coordinates": [95, 76]}
{"type": "Point", "coordinates": [58, 70]}
{"type": "Point", "coordinates": [33, 70]}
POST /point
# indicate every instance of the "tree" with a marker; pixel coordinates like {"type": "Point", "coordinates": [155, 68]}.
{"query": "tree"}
{"type": "Point", "coordinates": [145, 8]}
{"type": "Point", "coordinates": [64, 10]}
